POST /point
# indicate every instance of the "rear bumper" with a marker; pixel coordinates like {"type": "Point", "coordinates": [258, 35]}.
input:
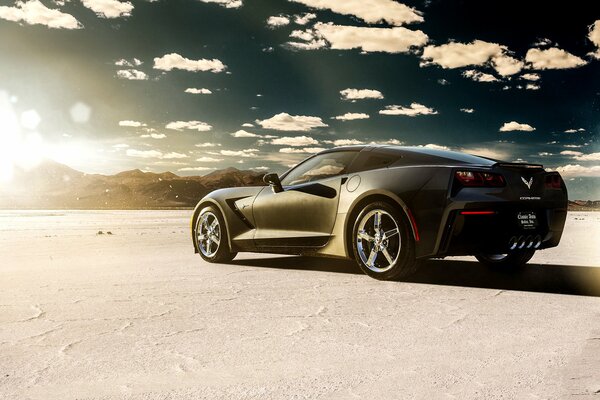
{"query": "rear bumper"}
{"type": "Point", "coordinates": [496, 233]}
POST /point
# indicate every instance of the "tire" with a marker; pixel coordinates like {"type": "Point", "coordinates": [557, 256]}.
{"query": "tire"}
{"type": "Point", "coordinates": [210, 234]}
{"type": "Point", "coordinates": [513, 261]}
{"type": "Point", "coordinates": [370, 244]}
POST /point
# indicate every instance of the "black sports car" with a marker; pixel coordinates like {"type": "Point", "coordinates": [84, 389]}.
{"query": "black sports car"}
{"type": "Point", "coordinates": [388, 207]}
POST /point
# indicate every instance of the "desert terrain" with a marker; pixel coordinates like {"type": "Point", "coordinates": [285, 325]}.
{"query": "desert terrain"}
{"type": "Point", "coordinates": [135, 314]}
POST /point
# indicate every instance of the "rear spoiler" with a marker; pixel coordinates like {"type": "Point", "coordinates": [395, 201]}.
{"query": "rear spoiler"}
{"type": "Point", "coordinates": [518, 165]}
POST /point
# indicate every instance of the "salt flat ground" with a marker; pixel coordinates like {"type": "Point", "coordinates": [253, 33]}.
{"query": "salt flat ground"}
{"type": "Point", "coordinates": [137, 315]}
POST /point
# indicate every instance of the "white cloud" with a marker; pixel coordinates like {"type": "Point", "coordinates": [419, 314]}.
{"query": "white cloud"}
{"type": "Point", "coordinates": [371, 11]}
{"type": "Point", "coordinates": [531, 77]}
{"type": "Point", "coordinates": [277, 21]}
{"type": "Point", "coordinates": [594, 37]}
{"type": "Point", "coordinates": [287, 122]}
{"type": "Point", "coordinates": [109, 8]}
{"type": "Point", "coordinates": [515, 126]}
{"type": "Point", "coordinates": [262, 168]}
{"type": "Point", "coordinates": [479, 76]}
{"type": "Point", "coordinates": [306, 35]}
{"type": "Point", "coordinates": [351, 116]}
{"type": "Point", "coordinates": [132, 74]}
{"type": "Point", "coordinates": [552, 58]}
{"type": "Point", "coordinates": [248, 125]}
{"type": "Point", "coordinates": [131, 124]}
{"type": "Point", "coordinates": [174, 155]}
{"type": "Point", "coordinates": [120, 146]}
{"type": "Point", "coordinates": [359, 94]}
{"type": "Point", "coordinates": [304, 19]}
{"type": "Point", "coordinates": [34, 12]}
{"type": "Point", "coordinates": [295, 141]}
{"type": "Point", "coordinates": [532, 86]}
{"type": "Point", "coordinates": [126, 63]}
{"type": "Point", "coordinates": [545, 154]}
{"type": "Point", "coordinates": [172, 61]}
{"type": "Point", "coordinates": [412, 111]}
{"type": "Point", "coordinates": [198, 91]}
{"type": "Point", "coordinates": [390, 40]}
{"type": "Point", "coordinates": [571, 153]}
{"type": "Point", "coordinates": [309, 150]}
{"type": "Point", "coordinates": [196, 169]}
{"type": "Point", "coordinates": [245, 134]}
{"type": "Point", "coordinates": [207, 144]}
{"type": "Point", "coordinates": [346, 142]}
{"type": "Point", "coordinates": [434, 146]}
{"type": "Point", "coordinates": [226, 3]}
{"type": "Point", "coordinates": [192, 125]}
{"type": "Point", "coordinates": [477, 53]}
{"type": "Point", "coordinates": [144, 153]}
{"type": "Point", "coordinates": [578, 170]}
{"type": "Point", "coordinates": [486, 152]}
{"type": "Point", "coordinates": [587, 157]}
{"type": "Point", "coordinates": [248, 153]}
{"type": "Point", "coordinates": [468, 110]}
{"type": "Point", "coordinates": [154, 135]}
{"type": "Point", "coordinates": [573, 130]}
{"type": "Point", "coordinates": [208, 159]}
{"type": "Point", "coordinates": [574, 146]}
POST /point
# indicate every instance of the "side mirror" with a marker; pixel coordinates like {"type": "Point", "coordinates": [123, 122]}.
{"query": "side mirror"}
{"type": "Point", "coordinates": [272, 180]}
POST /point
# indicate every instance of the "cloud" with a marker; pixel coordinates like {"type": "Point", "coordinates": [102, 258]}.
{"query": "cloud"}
{"type": "Point", "coordinates": [120, 146]}
{"type": "Point", "coordinates": [295, 141]}
{"type": "Point", "coordinates": [248, 125]}
{"type": "Point", "coordinates": [587, 157]}
{"type": "Point", "coordinates": [132, 74]}
{"type": "Point", "coordinates": [468, 110]}
{"type": "Point", "coordinates": [578, 170]}
{"type": "Point", "coordinates": [192, 125]}
{"type": "Point", "coordinates": [371, 11]}
{"type": "Point", "coordinates": [109, 8]}
{"type": "Point", "coordinates": [208, 159]}
{"type": "Point", "coordinates": [351, 116]}
{"type": "Point", "coordinates": [573, 130]}
{"type": "Point", "coordinates": [126, 63]}
{"type": "Point", "coordinates": [185, 169]}
{"type": "Point", "coordinates": [277, 21]}
{"type": "Point", "coordinates": [531, 77]}
{"type": "Point", "coordinates": [477, 53]}
{"type": "Point", "coordinates": [174, 155]}
{"type": "Point", "coordinates": [198, 91]}
{"type": "Point", "coordinates": [552, 58]}
{"type": "Point", "coordinates": [434, 146]}
{"type": "Point", "coordinates": [34, 12]}
{"type": "Point", "coordinates": [359, 94]}
{"type": "Point", "coordinates": [412, 111]}
{"type": "Point", "coordinates": [244, 134]}
{"type": "Point", "coordinates": [390, 40]}
{"type": "Point", "coordinates": [131, 124]}
{"type": "Point", "coordinates": [287, 122]}
{"type": "Point", "coordinates": [172, 61]}
{"type": "Point", "coordinates": [226, 3]}
{"type": "Point", "coordinates": [248, 153]}
{"type": "Point", "coordinates": [486, 152]}
{"type": "Point", "coordinates": [207, 144]}
{"type": "Point", "coordinates": [346, 142]}
{"type": "Point", "coordinates": [309, 150]}
{"type": "Point", "coordinates": [154, 135]}
{"type": "Point", "coordinates": [144, 153]}
{"type": "Point", "coordinates": [594, 37]}
{"type": "Point", "coordinates": [532, 86]}
{"type": "Point", "coordinates": [571, 153]}
{"type": "Point", "coordinates": [304, 19]}
{"type": "Point", "coordinates": [479, 76]}
{"type": "Point", "coordinates": [515, 126]}
{"type": "Point", "coordinates": [260, 168]}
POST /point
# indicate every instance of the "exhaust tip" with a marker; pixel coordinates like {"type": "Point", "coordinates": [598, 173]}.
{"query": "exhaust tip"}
{"type": "Point", "coordinates": [537, 241]}
{"type": "Point", "coordinates": [512, 243]}
{"type": "Point", "coordinates": [522, 242]}
{"type": "Point", "coordinates": [530, 241]}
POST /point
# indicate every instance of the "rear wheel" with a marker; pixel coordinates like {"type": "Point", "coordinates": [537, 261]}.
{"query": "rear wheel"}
{"type": "Point", "coordinates": [512, 261]}
{"type": "Point", "coordinates": [211, 236]}
{"type": "Point", "coordinates": [382, 243]}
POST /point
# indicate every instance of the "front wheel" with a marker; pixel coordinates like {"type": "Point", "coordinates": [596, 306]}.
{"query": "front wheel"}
{"type": "Point", "coordinates": [512, 261]}
{"type": "Point", "coordinates": [211, 236]}
{"type": "Point", "coordinates": [382, 243]}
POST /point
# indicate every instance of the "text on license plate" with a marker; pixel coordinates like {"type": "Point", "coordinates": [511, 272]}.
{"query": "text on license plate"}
{"type": "Point", "coordinates": [527, 220]}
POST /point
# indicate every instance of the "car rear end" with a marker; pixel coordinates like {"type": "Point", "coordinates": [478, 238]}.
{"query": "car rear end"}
{"type": "Point", "coordinates": [503, 208]}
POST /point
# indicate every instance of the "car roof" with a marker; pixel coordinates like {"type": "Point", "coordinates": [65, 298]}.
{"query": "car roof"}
{"type": "Point", "coordinates": [436, 153]}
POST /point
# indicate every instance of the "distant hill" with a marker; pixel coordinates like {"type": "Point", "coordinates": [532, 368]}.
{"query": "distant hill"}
{"type": "Point", "coordinates": [584, 205]}
{"type": "Point", "coordinates": [55, 186]}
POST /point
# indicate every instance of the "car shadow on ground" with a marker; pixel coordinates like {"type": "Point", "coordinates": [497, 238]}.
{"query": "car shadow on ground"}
{"type": "Point", "coordinates": [545, 278]}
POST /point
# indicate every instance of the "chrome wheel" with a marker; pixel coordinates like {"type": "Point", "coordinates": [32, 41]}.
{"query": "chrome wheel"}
{"type": "Point", "coordinates": [208, 234]}
{"type": "Point", "coordinates": [378, 240]}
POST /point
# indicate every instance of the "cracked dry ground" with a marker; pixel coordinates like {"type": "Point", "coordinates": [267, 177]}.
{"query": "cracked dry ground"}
{"type": "Point", "coordinates": [136, 315]}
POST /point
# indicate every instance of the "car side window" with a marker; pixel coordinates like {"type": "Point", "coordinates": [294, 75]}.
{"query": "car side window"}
{"type": "Point", "coordinates": [374, 160]}
{"type": "Point", "coordinates": [320, 167]}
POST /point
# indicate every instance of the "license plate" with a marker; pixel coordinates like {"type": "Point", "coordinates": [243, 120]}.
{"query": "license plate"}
{"type": "Point", "coordinates": [527, 220]}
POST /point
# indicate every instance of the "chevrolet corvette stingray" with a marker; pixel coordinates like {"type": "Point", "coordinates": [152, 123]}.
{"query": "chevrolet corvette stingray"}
{"type": "Point", "coordinates": [388, 208]}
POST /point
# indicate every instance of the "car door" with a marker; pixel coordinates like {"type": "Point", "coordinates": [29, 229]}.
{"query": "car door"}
{"type": "Point", "coordinates": [303, 214]}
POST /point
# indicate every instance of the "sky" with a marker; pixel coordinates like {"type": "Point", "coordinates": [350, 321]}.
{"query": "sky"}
{"type": "Point", "coordinates": [191, 86]}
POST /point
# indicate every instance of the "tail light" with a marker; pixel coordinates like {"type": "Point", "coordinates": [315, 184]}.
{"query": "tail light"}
{"type": "Point", "coordinates": [479, 179]}
{"type": "Point", "coordinates": [553, 181]}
